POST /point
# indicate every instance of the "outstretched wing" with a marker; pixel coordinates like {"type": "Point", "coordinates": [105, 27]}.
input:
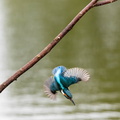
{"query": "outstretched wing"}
{"type": "Point", "coordinates": [74, 75]}
{"type": "Point", "coordinates": [51, 87]}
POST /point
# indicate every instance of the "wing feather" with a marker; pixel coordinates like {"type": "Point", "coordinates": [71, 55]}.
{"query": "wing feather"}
{"type": "Point", "coordinates": [75, 75]}
{"type": "Point", "coordinates": [47, 87]}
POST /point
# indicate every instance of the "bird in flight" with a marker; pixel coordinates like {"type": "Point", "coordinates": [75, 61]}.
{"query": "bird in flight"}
{"type": "Point", "coordinates": [62, 78]}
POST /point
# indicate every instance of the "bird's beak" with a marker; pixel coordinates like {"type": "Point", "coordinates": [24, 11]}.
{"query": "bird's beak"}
{"type": "Point", "coordinates": [72, 101]}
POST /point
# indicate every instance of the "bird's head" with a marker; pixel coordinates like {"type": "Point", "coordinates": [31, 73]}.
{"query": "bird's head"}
{"type": "Point", "coordinates": [59, 70]}
{"type": "Point", "coordinates": [67, 94]}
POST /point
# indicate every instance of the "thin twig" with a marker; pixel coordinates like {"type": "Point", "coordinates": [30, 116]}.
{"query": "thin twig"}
{"type": "Point", "coordinates": [48, 48]}
{"type": "Point", "coordinates": [104, 2]}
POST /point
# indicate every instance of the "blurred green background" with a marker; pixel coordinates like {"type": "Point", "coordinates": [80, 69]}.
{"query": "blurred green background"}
{"type": "Point", "coordinates": [26, 27]}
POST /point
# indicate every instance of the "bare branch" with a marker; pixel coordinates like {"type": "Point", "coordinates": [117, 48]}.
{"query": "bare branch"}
{"type": "Point", "coordinates": [48, 48]}
{"type": "Point", "coordinates": [104, 2]}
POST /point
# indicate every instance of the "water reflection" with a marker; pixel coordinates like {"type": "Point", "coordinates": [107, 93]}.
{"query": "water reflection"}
{"type": "Point", "coordinates": [27, 27]}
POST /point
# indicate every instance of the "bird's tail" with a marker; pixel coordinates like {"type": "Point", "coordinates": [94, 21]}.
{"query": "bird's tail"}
{"type": "Point", "coordinates": [80, 73]}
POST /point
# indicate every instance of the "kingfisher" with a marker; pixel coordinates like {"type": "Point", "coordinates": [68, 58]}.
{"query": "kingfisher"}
{"type": "Point", "coordinates": [62, 78]}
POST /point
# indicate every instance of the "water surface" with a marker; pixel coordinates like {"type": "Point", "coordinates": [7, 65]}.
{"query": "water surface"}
{"type": "Point", "coordinates": [26, 27]}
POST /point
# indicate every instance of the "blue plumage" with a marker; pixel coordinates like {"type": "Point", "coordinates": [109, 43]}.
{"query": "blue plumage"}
{"type": "Point", "coordinates": [62, 78]}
